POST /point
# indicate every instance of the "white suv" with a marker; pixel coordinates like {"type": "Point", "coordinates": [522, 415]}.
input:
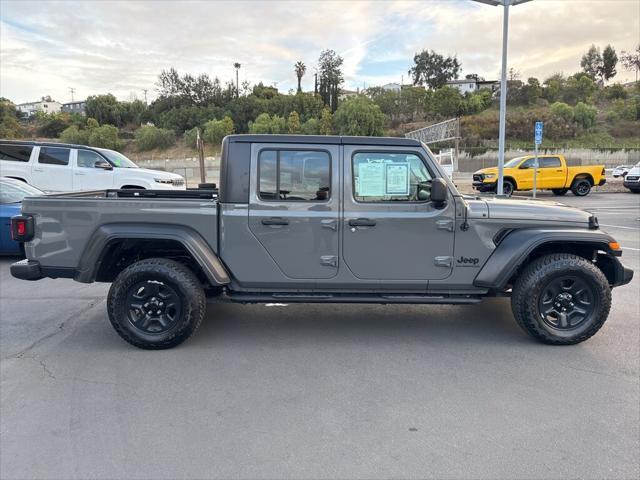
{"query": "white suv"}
{"type": "Point", "coordinates": [58, 167]}
{"type": "Point", "coordinates": [632, 180]}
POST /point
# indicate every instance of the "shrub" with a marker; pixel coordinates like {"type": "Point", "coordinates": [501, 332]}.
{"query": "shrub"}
{"type": "Point", "coordinates": [149, 137]}
{"type": "Point", "coordinates": [73, 134]}
{"type": "Point", "coordinates": [311, 127]}
{"type": "Point", "coordinates": [562, 110]}
{"type": "Point", "coordinates": [190, 137]}
{"type": "Point", "coordinates": [52, 125]}
{"type": "Point", "coordinates": [105, 136]}
{"type": "Point", "coordinates": [216, 130]}
{"type": "Point", "coordinates": [359, 116]}
{"type": "Point", "coordinates": [584, 115]}
{"type": "Point", "coordinates": [265, 123]}
{"type": "Point", "coordinates": [293, 122]}
{"type": "Point", "coordinates": [615, 92]}
{"type": "Point", "coordinates": [325, 125]}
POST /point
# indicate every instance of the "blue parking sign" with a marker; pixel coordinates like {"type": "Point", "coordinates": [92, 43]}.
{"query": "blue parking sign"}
{"type": "Point", "coordinates": [538, 133]}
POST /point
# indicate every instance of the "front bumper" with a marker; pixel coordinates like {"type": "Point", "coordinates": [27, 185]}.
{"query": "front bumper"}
{"type": "Point", "coordinates": [481, 185]}
{"type": "Point", "coordinates": [624, 275]}
{"type": "Point", "coordinates": [633, 184]}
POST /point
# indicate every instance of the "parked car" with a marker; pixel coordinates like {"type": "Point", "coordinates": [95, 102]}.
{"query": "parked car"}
{"type": "Point", "coordinates": [553, 174]}
{"type": "Point", "coordinates": [621, 170]}
{"type": "Point", "coordinates": [56, 167]}
{"type": "Point", "coordinates": [12, 192]}
{"type": "Point", "coordinates": [326, 220]}
{"type": "Point", "coordinates": [632, 179]}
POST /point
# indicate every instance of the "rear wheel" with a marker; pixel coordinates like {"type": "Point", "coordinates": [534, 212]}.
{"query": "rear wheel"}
{"type": "Point", "coordinates": [156, 303]}
{"type": "Point", "coordinates": [581, 187]}
{"type": "Point", "coordinates": [561, 299]}
{"type": "Point", "coordinates": [559, 192]}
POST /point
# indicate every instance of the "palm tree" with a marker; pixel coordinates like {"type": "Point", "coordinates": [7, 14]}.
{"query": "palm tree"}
{"type": "Point", "coordinates": [237, 67]}
{"type": "Point", "coordinates": [300, 69]}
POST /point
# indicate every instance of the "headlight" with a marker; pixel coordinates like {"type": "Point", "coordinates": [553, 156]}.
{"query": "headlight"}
{"type": "Point", "coordinates": [489, 175]}
{"type": "Point", "coordinates": [163, 180]}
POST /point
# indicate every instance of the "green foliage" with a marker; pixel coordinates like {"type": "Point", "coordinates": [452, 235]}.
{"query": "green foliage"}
{"type": "Point", "coordinates": [563, 111]}
{"type": "Point", "coordinates": [615, 91]}
{"type": "Point", "coordinates": [267, 124]}
{"type": "Point", "coordinates": [325, 125]}
{"type": "Point", "coordinates": [584, 115]}
{"type": "Point", "coordinates": [92, 123]}
{"type": "Point", "coordinates": [300, 69]}
{"type": "Point", "coordinates": [73, 134]}
{"type": "Point", "coordinates": [9, 125]}
{"type": "Point", "coordinates": [591, 62]}
{"type": "Point", "coordinates": [190, 137]}
{"type": "Point", "coordinates": [106, 109]}
{"type": "Point", "coordinates": [330, 77]}
{"type": "Point", "coordinates": [609, 62]}
{"type": "Point", "coordinates": [432, 69]}
{"type": "Point", "coordinates": [51, 125]}
{"type": "Point", "coordinates": [359, 116]}
{"type": "Point", "coordinates": [216, 130]}
{"type": "Point", "coordinates": [447, 102]}
{"type": "Point", "coordinates": [105, 136]}
{"type": "Point", "coordinates": [149, 137]}
{"type": "Point", "coordinates": [293, 122]}
{"type": "Point", "coordinates": [311, 127]}
{"type": "Point", "coordinates": [578, 88]}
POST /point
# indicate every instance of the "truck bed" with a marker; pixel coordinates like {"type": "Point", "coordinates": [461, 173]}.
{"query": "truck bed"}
{"type": "Point", "coordinates": [66, 224]}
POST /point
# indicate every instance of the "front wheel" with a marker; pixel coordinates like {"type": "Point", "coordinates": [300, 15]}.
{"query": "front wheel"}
{"type": "Point", "coordinates": [559, 192]}
{"type": "Point", "coordinates": [561, 299]}
{"type": "Point", "coordinates": [508, 188]}
{"type": "Point", "coordinates": [156, 303]}
{"type": "Point", "coordinates": [581, 187]}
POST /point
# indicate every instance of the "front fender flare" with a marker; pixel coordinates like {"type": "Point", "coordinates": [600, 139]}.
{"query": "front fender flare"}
{"type": "Point", "coordinates": [516, 246]}
{"type": "Point", "coordinates": [192, 241]}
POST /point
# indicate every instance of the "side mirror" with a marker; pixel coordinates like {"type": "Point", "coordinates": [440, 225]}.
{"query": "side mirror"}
{"type": "Point", "coordinates": [439, 192]}
{"type": "Point", "coordinates": [103, 165]}
{"type": "Point", "coordinates": [524, 167]}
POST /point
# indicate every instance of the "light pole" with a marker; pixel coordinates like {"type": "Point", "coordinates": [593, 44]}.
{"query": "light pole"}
{"type": "Point", "coordinates": [503, 82]}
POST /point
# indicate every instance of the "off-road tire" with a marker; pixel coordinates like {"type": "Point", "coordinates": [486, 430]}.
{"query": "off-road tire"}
{"type": "Point", "coordinates": [537, 276]}
{"type": "Point", "coordinates": [559, 192]}
{"type": "Point", "coordinates": [581, 187]}
{"type": "Point", "coordinates": [170, 274]}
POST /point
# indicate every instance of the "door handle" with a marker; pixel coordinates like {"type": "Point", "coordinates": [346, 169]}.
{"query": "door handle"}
{"type": "Point", "coordinates": [275, 221]}
{"type": "Point", "coordinates": [78, 173]}
{"type": "Point", "coordinates": [362, 222]}
{"type": "Point", "coordinates": [37, 169]}
{"type": "Point", "coordinates": [560, 171]}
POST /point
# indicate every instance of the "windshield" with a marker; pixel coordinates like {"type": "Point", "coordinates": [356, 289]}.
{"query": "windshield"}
{"type": "Point", "coordinates": [14, 192]}
{"type": "Point", "coordinates": [117, 159]}
{"type": "Point", "coordinates": [513, 162]}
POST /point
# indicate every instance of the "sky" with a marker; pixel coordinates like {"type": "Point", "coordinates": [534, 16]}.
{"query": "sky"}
{"type": "Point", "coordinates": [120, 47]}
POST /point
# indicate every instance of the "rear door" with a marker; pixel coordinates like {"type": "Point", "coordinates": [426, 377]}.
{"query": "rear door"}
{"type": "Point", "coordinates": [294, 207]}
{"type": "Point", "coordinates": [391, 230]}
{"type": "Point", "coordinates": [86, 176]}
{"type": "Point", "coordinates": [551, 174]}
{"type": "Point", "coordinates": [52, 170]}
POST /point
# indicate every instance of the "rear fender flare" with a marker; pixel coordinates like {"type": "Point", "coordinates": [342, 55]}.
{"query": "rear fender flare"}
{"type": "Point", "coordinates": [192, 241]}
{"type": "Point", "coordinates": [515, 247]}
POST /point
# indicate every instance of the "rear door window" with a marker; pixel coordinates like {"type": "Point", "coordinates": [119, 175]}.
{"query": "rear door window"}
{"type": "Point", "coordinates": [54, 156]}
{"type": "Point", "coordinates": [15, 153]}
{"type": "Point", "coordinates": [550, 162]}
{"type": "Point", "coordinates": [294, 175]}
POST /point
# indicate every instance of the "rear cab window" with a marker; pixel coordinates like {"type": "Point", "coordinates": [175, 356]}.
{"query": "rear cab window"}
{"type": "Point", "coordinates": [15, 153]}
{"type": "Point", "coordinates": [54, 156]}
{"type": "Point", "coordinates": [294, 175]}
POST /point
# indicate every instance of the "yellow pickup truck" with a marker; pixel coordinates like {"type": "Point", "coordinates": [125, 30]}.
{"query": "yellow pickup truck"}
{"type": "Point", "coordinates": [553, 174]}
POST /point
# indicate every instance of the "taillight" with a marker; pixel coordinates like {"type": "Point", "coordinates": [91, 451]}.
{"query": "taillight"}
{"type": "Point", "coordinates": [22, 228]}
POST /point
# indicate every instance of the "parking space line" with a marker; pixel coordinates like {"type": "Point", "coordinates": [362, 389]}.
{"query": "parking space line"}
{"type": "Point", "coordinates": [619, 226]}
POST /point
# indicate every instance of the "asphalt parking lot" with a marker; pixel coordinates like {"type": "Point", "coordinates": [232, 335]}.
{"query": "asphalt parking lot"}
{"type": "Point", "coordinates": [320, 391]}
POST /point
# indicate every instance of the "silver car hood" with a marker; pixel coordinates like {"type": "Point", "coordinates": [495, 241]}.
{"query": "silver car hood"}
{"type": "Point", "coordinates": [513, 209]}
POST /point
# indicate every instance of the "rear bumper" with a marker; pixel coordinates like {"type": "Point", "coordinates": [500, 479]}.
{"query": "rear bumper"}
{"type": "Point", "coordinates": [602, 182]}
{"type": "Point", "coordinates": [26, 270]}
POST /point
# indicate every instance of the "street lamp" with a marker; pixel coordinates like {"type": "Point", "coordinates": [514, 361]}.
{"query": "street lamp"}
{"type": "Point", "coordinates": [503, 82]}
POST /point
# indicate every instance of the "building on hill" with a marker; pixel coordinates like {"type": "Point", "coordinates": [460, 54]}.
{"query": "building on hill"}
{"type": "Point", "coordinates": [468, 85]}
{"type": "Point", "coordinates": [344, 94]}
{"type": "Point", "coordinates": [45, 105]}
{"type": "Point", "coordinates": [79, 106]}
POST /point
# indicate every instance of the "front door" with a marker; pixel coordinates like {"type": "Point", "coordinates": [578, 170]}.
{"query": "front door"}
{"type": "Point", "coordinates": [52, 170]}
{"type": "Point", "coordinates": [294, 207]}
{"type": "Point", "coordinates": [391, 230]}
{"type": "Point", "coordinates": [525, 174]}
{"type": "Point", "coordinates": [86, 176]}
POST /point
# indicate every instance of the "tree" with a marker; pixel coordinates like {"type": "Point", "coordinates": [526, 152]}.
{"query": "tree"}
{"type": "Point", "coordinates": [433, 69]}
{"type": "Point", "coordinates": [216, 130]}
{"type": "Point", "coordinates": [609, 61]}
{"type": "Point", "coordinates": [591, 62]}
{"type": "Point", "coordinates": [149, 137]}
{"type": "Point", "coordinates": [447, 102]}
{"type": "Point", "coordinates": [563, 111]}
{"type": "Point", "coordinates": [359, 116]}
{"type": "Point", "coordinates": [584, 115]}
{"type": "Point", "coordinates": [266, 124]}
{"type": "Point", "coordinates": [631, 60]}
{"type": "Point", "coordinates": [104, 108]}
{"type": "Point", "coordinates": [237, 67]}
{"type": "Point", "coordinates": [330, 77]}
{"type": "Point", "coordinates": [474, 76]}
{"type": "Point", "coordinates": [9, 125]}
{"type": "Point", "coordinates": [326, 122]}
{"type": "Point", "coordinates": [300, 69]}
{"type": "Point", "coordinates": [293, 122]}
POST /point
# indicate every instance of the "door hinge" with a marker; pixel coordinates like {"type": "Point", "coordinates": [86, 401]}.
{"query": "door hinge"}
{"type": "Point", "coordinates": [329, 260]}
{"type": "Point", "coordinates": [443, 261]}
{"type": "Point", "coordinates": [445, 225]}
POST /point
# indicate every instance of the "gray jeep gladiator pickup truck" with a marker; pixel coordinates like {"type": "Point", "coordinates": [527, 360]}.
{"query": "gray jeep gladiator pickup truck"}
{"type": "Point", "coordinates": [322, 219]}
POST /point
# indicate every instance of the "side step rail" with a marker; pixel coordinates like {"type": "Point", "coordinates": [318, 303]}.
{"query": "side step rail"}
{"type": "Point", "coordinates": [349, 298]}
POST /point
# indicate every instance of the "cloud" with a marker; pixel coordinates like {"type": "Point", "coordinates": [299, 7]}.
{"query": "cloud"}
{"type": "Point", "coordinates": [120, 47]}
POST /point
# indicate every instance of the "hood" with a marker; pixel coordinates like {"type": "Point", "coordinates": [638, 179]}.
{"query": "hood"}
{"type": "Point", "coordinates": [535, 210]}
{"type": "Point", "coordinates": [493, 170]}
{"type": "Point", "coordinates": [151, 173]}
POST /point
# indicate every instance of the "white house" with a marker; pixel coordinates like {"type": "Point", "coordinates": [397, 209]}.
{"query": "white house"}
{"type": "Point", "coordinates": [468, 85]}
{"type": "Point", "coordinates": [78, 106]}
{"type": "Point", "coordinates": [392, 87]}
{"type": "Point", "coordinates": [45, 105]}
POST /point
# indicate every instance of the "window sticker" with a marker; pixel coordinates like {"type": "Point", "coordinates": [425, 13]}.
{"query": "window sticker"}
{"type": "Point", "coordinates": [397, 179]}
{"type": "Point", "coordinates": [371, 179]}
